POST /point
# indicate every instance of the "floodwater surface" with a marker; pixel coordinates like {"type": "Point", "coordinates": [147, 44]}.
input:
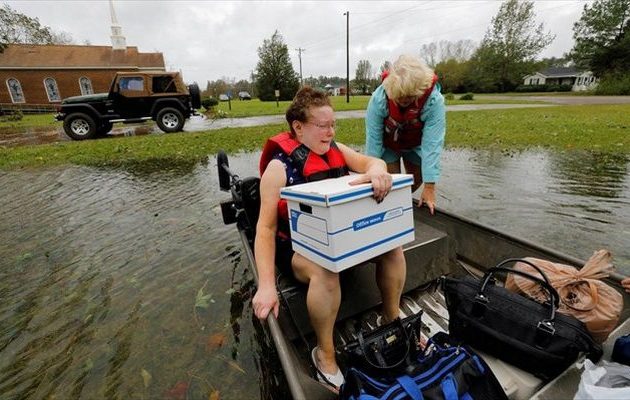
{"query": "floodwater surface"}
{"type": "Point", "coordinates": [125, 284]}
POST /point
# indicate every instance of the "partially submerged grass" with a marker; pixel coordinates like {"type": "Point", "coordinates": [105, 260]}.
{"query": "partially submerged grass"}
{"type": "Point", "coordinates": [603, 128]}
{"type": "Point", "coordinates": [29, 121]}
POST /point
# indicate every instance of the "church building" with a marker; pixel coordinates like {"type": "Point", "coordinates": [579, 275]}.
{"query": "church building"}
{"type": "Point", "coordinates": [40, 76]}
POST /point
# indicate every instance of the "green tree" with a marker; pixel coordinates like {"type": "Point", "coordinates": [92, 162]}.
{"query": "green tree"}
{"type": "Point", "coordinates": [16, 27]}
{"type": "Point", "coordinates": [510, 46]}
{"type": "Point", "coordinates": [363, 76]}
{"type": "Point", "coordinates": [454, 75]}
{"type": "Point", "coordinates": [275, 71]}
{"type": "Point", "coordinates": [602, 42]}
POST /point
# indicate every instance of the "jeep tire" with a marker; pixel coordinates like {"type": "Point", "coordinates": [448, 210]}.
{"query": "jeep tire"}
{"type": "Point", "coordinates": [195, 96]}
{"type": "Point", "coordinates": [79, 126]}
{"type": "Point", "coordinates": [170, 120]}
{"type": "Point", "coordinates": [104, 129]}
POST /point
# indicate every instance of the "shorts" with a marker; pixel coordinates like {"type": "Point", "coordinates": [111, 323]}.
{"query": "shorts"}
{"type": "Point", "coordinates": [284, 256]}
{"type": "Point", "coordinates": [411, 155]}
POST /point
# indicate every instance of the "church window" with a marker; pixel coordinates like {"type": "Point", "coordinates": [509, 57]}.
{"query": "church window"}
{"type": "Point", "coordinates": [52, 90]}
{"type": "Point", "coordinates": [86, 85]}
{"type": "Point", "coordinates": [15, 90]}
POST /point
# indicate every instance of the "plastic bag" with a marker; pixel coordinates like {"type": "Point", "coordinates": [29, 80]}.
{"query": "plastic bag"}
{"type": "Point", "coordinates": [609, 381]}
{"type": "Point", "coordinates": [582, 293]}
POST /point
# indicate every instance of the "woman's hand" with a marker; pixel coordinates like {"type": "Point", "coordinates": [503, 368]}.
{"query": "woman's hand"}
{"type": "Point", "coordinates": [381, 182]}
{"type": "Point", "coordinates": [264, 301]}
{"type": "Point", "coordinates": [626, 284]}
{"type": "Point", "coordinates": [428, 196]}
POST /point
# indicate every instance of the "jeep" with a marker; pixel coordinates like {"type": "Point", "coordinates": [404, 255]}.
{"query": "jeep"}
{"type": "Point", "coordinates": [133, 97]}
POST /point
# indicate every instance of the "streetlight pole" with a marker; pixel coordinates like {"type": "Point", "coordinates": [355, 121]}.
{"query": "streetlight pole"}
{"type": "Point", "coordinates": [300, 50]}
{"type": "Point", "coordinates": [347, 14]}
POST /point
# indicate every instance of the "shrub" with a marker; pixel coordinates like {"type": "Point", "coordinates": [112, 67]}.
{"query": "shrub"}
{"type": "Point", "coordinates": [467, 96]}
{"type": "Point", "coordinates": [209, 102]}
{"type": "Point", "coordinates": [617, 84]}
{"type": "Point", "coordinates": [449, 96]}
{"type": "Point", "coordinates": [11, 116]}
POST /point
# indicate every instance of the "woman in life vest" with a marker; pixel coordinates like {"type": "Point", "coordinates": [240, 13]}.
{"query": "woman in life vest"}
{"type": "Point", "coordinates": [307, 153]}
{"type": "Point", "coordinates": [405, 119]}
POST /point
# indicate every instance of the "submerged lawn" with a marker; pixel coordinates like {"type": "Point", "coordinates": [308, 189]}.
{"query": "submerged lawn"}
{"type": "Point", "coordinates": [603, 128]}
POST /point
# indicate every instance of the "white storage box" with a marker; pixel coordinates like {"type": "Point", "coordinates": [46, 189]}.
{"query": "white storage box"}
{"type": "Point", "coordinates": [339, 226]}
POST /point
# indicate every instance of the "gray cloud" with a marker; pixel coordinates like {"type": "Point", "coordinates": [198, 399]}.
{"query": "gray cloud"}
{"type": "Point", "coordinates": [207, 40]}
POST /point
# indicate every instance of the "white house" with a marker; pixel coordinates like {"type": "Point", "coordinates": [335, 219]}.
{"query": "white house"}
{"type": "Point", "coordinates": [579, 80]}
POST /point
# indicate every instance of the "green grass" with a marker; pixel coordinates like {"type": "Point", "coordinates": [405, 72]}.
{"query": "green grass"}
{"type": "Point", "coordinates": [256, 107]}
{"type": "Point", "coordinates": [604, 128]}
{"type": "Point", "coordinates": [29, 121]}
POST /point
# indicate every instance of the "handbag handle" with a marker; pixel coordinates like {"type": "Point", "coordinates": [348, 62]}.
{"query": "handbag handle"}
{"type": "Point", "coordinates": [365, 351]}
{"type": "Point", "coordinates": [555, 302]}
{"type": "Point", "coordinates": [524, 261]}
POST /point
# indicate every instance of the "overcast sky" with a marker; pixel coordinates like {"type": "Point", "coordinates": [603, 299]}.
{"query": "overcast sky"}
{"type": "Point", "coordinates": [208, 40]}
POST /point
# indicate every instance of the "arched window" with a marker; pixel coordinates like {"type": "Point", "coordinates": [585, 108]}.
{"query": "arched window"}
{"type": "Point", "coordinates": [52, 90]}
{"type": "Point", "coordinates": [86, 85]}
{"type": "Point", "coordinates": [15, 90]}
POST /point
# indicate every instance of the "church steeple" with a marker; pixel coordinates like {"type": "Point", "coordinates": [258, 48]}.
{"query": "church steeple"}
{"type": "Point", "coordinates": [118, 40]}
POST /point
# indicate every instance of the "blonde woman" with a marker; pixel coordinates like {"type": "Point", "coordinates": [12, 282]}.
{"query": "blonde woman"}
{"type": "Point", "coordinates": [405, 119]}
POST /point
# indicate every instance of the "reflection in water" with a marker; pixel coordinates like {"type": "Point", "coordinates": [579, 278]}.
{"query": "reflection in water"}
{"type": "Point", "coordinates": [101, 269]}
{"type": "Point", "coordinates": [536, 195]}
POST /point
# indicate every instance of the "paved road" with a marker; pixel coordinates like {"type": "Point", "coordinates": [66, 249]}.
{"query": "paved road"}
{"type": "Point", "coordinates": [202, 124]}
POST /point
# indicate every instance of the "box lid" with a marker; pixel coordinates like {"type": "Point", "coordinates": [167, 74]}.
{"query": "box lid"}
{"type": "Point", "coordinates": [333, 191]}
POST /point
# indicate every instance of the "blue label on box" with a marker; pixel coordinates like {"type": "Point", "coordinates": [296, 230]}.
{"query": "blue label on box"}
{"type": "Point", "coordinates": [376, 219]}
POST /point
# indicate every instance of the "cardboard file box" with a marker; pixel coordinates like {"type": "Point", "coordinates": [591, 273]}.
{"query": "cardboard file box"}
{"type": "Point", "coordinates": [339, 226]}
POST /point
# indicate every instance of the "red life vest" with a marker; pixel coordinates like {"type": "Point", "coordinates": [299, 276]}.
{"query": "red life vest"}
{"type": "Point", "coordinates": [403, 128]}
{"type": "Point", "coordinates": [310, 165]}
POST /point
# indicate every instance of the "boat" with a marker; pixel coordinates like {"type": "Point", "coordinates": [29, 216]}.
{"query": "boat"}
{"type": "Point", "coordinates": [444, 243]}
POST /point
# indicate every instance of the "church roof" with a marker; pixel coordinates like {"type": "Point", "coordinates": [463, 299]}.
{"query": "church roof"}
{"type": "Point", "coordinates": [77, 57]}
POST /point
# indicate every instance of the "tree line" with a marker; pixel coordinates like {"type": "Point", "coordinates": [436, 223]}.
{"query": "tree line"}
{"type": "Point", "coordinates": [506, 54]}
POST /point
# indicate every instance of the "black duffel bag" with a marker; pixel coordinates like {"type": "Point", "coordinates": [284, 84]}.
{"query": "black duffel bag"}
{"type": "Point", "coordinates": [516, 329]}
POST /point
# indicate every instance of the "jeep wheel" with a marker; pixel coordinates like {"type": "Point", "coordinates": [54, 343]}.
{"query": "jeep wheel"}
{"type": "Point", "coordinates": [170, 120]}
{"type": "Point", "coordinates": [104, 129]}
{"type": "Point", "coordinates": [79, 126]}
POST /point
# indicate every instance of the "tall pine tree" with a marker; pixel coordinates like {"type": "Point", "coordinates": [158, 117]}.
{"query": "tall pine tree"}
{"type": "Point", "coordinates": [275, 71]}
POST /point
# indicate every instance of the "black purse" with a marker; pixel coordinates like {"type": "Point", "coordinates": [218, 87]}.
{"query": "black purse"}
{"type": "Point", "coordinates": [388, 349]}
{"type": "Point", "coordinates": [519, 330]}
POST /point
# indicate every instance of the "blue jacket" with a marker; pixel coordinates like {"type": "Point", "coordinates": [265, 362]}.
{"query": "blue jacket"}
{"type": "Point", "coordinates": [434, 118]}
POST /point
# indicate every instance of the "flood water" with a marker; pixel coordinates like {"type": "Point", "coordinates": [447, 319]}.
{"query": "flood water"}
{"type": "Point", "coordinates": [124, 283]}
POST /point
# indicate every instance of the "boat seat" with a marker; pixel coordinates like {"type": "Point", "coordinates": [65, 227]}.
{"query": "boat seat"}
{"type": "Point", "coordinates": [429, 256]}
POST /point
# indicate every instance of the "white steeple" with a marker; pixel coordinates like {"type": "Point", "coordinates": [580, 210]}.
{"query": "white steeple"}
{"type": "Point", "coordinates": [118, 40]}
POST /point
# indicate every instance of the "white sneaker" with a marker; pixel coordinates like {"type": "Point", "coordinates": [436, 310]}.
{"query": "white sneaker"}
{"type": "Point", "coordinates": [335, 380]}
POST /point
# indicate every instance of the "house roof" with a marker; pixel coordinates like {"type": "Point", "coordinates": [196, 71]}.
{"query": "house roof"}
{"type": "Point", "coordinates": [75, 56]}
{"type": "Point", "coordinates": [559, 72]}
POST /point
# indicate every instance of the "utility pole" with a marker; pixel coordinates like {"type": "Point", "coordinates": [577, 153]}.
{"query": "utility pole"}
{"type": "Point", "coordinates": [300, 50]}
{"type": "Point", "coordinates": [347, 14]}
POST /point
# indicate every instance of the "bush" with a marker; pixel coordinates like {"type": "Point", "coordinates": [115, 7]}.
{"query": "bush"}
{"type": "Point", "coordinates": [467, 96]}
{"type": "Point", "coordinates": [617, 84]}
{"type": "Point", "coordinates": [531, 88]}
{"type": "Point", "coordinates": [543, 88]}
{"type": "Point", "coordinates": [209, 102]}
{"type": "Point", "coordinates": [449, 96]}
{"type": "Point", "coordinates": [12, 116]}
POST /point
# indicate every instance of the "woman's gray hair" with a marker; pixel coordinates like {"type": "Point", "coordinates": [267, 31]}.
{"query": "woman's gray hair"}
{"type": "Point", "coordinates": [408, 76]}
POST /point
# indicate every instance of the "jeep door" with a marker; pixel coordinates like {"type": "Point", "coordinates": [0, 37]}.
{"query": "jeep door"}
{"type": "Point", "coordinates": [131, 97]}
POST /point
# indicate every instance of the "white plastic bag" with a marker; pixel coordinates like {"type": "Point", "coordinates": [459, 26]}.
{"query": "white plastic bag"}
{"type": "Point", "coordinates": [610, 381]}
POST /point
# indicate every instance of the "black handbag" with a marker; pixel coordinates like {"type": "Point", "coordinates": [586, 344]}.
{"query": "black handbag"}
{"type": "Point", "coordinates": [387, 349]}
{"type": "Point", "coordinates": [514, 328]}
